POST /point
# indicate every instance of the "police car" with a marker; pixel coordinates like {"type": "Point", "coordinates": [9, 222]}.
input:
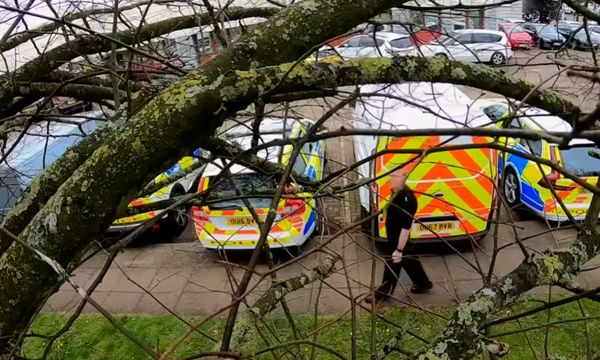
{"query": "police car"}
{"type": "Point", "coordinates": [227, 223]}
{"type": "Point", "coordinates": [525, 183]}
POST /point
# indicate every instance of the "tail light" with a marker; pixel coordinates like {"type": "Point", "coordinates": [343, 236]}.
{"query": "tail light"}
{"type": "Point", "coordinates": [549, 181]}
{"type": "Point", "coordinates": [292, 206]}
{"type": "Point", "coordinates": [198, 214]}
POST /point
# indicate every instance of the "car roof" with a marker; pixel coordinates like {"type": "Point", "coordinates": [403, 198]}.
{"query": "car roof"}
{"type": "Point", "coordinates": [271, 128]}
{"type": "Point", "coordinates": [435, 102]}
{"type": "Point", "coordinates": [535, 118]}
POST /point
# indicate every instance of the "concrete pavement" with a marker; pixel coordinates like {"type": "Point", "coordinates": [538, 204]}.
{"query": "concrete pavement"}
{"type": "Point", "coordinates": [190, 280]}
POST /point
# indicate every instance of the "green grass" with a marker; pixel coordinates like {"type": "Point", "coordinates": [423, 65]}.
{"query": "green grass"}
{"type": "Point", "coordinates": [93, 337]}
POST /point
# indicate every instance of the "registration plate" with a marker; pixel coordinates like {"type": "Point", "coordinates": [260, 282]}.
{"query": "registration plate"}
{"type": "Point", "coordinates": [583, 190]}
{"type": "Point", "coordinates": [436, 227]}
{"type": "Point", "coordinates": [241, 221]}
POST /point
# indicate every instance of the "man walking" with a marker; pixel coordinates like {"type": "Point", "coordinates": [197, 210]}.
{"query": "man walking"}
{"type": "Point", "coordinates": [399, 218]}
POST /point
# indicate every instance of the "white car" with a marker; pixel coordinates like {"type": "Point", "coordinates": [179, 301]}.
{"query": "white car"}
{"type": "Point", "coordinates": [472, 45]}
{"type": "Point", "coordinates": [380, 44]}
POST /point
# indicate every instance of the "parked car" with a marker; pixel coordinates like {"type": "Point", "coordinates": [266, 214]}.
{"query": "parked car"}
{"type": "Point", "coordinates": [379, 44]}
{"type": "Point", "coordinates": [228, 224]}
{"type": "Point", "coordinates": [517, 35]}
{"type": "Point", "coordinates": [33, 153]}
{"type": "Point", "coordinates": [580, 40]}
{"type": "Point", "coordinates": [174, 221]}
{"type": "Point", "coordinates": [454, 189]}
{"type": "Point", "coordinates": [546, 36]}
{"type": "Point", "coordinates": [523, 182]}
{"type": "Point", "coordinates": [472, 45]}
{"type": "Point", "coordinates": [568, 28]}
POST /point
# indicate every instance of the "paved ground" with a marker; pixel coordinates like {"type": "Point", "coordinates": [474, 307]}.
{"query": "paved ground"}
{"type": "Point", "coordinates": [190, 280]}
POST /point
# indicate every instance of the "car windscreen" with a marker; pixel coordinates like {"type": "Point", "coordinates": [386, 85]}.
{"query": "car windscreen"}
{"type": "Point", "coordinates": [548, 30]}
{"type": "Point", "coordinates": [247, 184]}
{"type": "Point", "coordinates": [582, 35]}
{"type": "Point", "coordinates": [450, 38]}
{"type": "Point", "coordinates": [578, 160]}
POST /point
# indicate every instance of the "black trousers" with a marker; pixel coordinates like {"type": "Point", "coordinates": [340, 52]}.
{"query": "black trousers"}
{"type": "Point", "coordinates": [409, 263]}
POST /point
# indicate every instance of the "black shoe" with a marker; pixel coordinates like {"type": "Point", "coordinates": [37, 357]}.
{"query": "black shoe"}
{"type": "Point", "coordinates": [416, 289]}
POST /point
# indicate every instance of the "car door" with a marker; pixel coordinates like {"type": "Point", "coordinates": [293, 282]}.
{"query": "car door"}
{"type": "Point", "coordinates": [484, 45]}
{"type": "Point", "coordinates": [371, 47]}
{"type": "Point", "coordinates": [350, 48]}
{"type": "Point", "coordinates": [458, 48]}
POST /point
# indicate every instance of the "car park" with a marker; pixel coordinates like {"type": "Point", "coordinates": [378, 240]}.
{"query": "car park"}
{"type": "Point", "coordinates": [525, 183]}
{"type": "Point", "coordinates": [546, 36]}
{"type": "Point", "coordinates": [227, 223]}
{"type": "Point", "coordinates": [455, 189]}
{"type": "Point", "coordinates": [517, 35]}
{"type": "Point", "coordinates": [381, 44]}
{"type": "Point", "coordinates": [472, 45]}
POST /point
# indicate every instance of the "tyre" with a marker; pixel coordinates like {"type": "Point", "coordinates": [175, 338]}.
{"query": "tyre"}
{"type": "Point", "coordinates": [320, 220]}
{"type": "Point", "coordinates": [497, 58]}
{"type": "Point", "coordinates": [574, 45]}
{"type": "Point", "coordinates": [177, 218]}
{"type": "Point", "coordinates": [511, 188]}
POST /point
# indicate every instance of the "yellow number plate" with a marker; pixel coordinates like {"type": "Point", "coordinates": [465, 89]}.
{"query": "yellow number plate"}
{"type": "Point", "coordinates": [578, 212]}
{"type": "Point", "coordinates": [241, 221]}
{"type": "Point", "coordinates": [429, 228]}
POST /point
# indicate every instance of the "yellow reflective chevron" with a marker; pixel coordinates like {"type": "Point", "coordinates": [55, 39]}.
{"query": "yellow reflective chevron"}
{"type": "Point", "coordinates": [454, 189]}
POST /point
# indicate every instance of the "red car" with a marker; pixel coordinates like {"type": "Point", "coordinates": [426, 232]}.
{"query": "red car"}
{"type": "Point", "coordinates": [517, 36]}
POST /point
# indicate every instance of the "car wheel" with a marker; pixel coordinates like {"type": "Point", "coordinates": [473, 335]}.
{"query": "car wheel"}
{"type": "Point", "coordinates": [497, 58]}
{"type": "Point", "coordinates": [511, 188]}
{"type": "Point", "coordinates": [320, 220]}
{"type": "Point", "coordinates": [177, 218]}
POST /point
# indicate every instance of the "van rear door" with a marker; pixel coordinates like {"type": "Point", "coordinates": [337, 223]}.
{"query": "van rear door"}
{"type": "Point", "coordinates": [454, 188]}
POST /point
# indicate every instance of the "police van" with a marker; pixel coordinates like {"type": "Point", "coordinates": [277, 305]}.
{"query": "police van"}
{"type": "Point", "coordinates": [455, 189]}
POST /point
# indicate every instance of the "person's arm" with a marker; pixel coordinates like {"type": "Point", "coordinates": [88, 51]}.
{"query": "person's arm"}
{"type": "Point", "coordinates": [402, 240]}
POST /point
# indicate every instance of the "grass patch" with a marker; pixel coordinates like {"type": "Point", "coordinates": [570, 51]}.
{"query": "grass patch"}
{"type": "Point", "coordinates": [93, 337]}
